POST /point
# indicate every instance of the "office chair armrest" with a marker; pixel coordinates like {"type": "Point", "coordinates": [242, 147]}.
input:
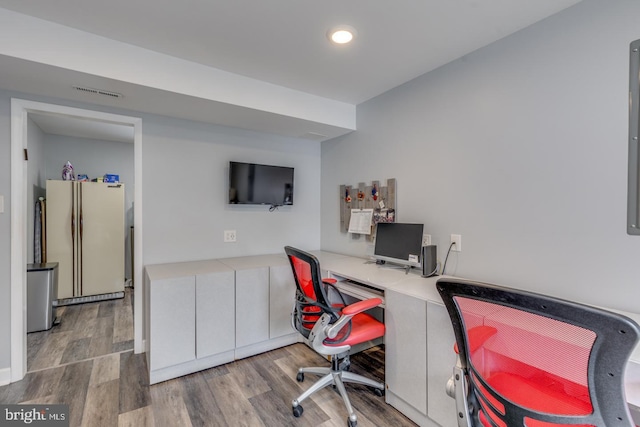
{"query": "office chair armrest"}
{"type": "Point", "coordinates": [348, 312]}
{"type": "Point", "coordinates": [477, 337]}
{"type": "Point", "coordinates": [360, 306]}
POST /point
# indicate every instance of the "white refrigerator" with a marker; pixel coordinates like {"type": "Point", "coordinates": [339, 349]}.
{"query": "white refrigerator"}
{"type": "Point", "coordinates": [85, 235]}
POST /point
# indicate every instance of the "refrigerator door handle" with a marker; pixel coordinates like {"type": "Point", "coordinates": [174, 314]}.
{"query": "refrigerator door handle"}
{"type": "Point", "coordinates": [81, 233]}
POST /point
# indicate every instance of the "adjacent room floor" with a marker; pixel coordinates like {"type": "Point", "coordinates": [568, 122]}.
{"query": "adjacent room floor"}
{"type": "Point", "coordinates": [88, 363]}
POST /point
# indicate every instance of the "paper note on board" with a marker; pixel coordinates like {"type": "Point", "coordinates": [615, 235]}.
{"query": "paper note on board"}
{"type": "Point", "coordinates": [360, 222]}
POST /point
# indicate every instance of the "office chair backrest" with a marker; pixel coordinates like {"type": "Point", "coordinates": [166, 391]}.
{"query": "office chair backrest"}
{"type": "Point", "coordinates": [537, 361]}
{"type": "Point", "coordinates": [311, 297]}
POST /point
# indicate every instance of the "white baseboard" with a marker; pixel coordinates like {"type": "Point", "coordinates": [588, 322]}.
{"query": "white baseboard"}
{"type": "Point", "coordinates": [272, 344]}
{"type": "Point", "coordinates": [190, 367]}
{"type": "Point", "coordinates": [5, 376]}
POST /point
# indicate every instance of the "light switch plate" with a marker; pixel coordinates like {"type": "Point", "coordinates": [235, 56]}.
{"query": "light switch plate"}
{"type": "Point", "coordinates": [1, 203]}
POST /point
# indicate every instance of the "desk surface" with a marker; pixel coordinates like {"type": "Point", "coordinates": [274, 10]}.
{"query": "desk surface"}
{"type": "Point", "coordinates": [385, 277]}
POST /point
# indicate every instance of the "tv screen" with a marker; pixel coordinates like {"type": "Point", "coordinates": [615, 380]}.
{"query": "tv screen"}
{"type": "Point", "coordinates": [398, 243]}
{"type": "Point", "coordinates": [251, 183]}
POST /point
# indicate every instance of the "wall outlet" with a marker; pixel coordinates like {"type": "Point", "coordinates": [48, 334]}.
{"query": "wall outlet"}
{"type": "Point", "coordinates": [229, 236]}
{"type": "Point", "coordinates": [426, 239]}
{"type": "Point", "coordinates": [457, 239]}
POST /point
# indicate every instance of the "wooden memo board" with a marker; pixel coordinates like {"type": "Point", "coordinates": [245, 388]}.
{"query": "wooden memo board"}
{"type": "Point", "coordinates": [362, 197]}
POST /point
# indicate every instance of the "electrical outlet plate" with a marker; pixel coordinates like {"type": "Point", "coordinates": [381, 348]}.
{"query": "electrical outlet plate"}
{"type": "Point", "coordinates": [457, 239]}
{"type": "Point", "coordinates": [426, 239]}
{"type": "Point", "coordinates": [229, 236]}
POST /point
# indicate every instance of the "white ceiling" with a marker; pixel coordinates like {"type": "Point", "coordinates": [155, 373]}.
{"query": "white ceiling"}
{"type": "Point", "coordinates": [56, 124]}
{"type": "Point", "coordinates": [284, 42]}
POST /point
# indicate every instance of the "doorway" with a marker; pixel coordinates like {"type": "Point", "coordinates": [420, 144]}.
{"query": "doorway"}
{"type": "Point", "coordinates": [20, 112]}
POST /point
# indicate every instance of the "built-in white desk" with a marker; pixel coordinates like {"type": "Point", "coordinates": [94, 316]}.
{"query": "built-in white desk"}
{"type": "Point", "coordinates": [419, 339]}
{"type": "Point", "coordinates": [205, 313]}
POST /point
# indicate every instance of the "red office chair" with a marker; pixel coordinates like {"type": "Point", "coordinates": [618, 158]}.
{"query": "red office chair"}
{"type": "Point", "coordinates": [330, 329]}
{"type": "Point", "coordinates": [530, 360]}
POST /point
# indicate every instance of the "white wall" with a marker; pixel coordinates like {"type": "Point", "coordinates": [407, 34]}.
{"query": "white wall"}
{"type": "Point", "coordinates": [520, 147]}
{"type": "Point", "coordinates": [5, 233]}
{"type": "Point", "coordinates": [35, 180]}
{"type": "Point", "coordinates": [185, 168]}
{"type": "Point", "coordinates": [95, 158]}
{"type": "Point", "coordinates": [184, 193]}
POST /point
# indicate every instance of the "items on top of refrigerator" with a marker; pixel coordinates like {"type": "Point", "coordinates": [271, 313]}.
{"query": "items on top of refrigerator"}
{"type": "Point", "coordinates": [67, 172]}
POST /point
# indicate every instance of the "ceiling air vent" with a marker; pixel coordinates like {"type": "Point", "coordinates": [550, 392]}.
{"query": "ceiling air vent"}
{"type": "Point", "coordinates": [98, 91]}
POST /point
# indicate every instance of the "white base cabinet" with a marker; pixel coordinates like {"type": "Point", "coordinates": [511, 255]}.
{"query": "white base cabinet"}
{"type": "Point", "coordinates": [440, 359]}
{"type": "Point", "coordinates": [206, 313]}
{"type": "Point", "coordinates": [406, 363]}
{"type": "Point", "coordinates": [265, 292]}
{"type": "Point", "coordinates": [188, 326]}
{"type": "Point", "coordinates": [173, 322]}
{"type": "Point", "coordinates": [215, 305]}
{"type": "Point", "coordinates": [282, 293]}
{"type": "Point", "coordinates": [252, 307]}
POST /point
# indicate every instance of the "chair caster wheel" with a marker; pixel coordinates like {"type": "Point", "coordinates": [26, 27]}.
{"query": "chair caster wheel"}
{"type": "Point", "coordinates": [378, 392]}
{"type": "Point", "coordinates": [297, 411]}
{"type": "Point", "coordinates": [300, 377]}
{"type": "Point", "coordinates": [352, 423]}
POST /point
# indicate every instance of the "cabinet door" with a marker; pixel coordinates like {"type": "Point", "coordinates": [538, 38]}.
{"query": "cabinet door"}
{"type": "Point", "coordinates": [215, 313]}
{"type": "Point", "coordinates": [282, 292]}
{"type": "Point", "coordinates": [172, 321]}
{"type": "Point", "coordinates": [101, 237]}
{"type": "Point", "coordinates": [252, 306]}
{"type": "Point", "coordinates": [61, 233]}
{"type": "Point", "coordinates": [406, 348]}
{"type": "Point", "coordinates": [440, 360]}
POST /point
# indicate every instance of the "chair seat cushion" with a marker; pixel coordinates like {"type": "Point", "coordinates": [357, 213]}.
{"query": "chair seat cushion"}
{"type": "Point", "coordinates": [536, 396]}
{"type": "Point", "coordinates": [364, 327]}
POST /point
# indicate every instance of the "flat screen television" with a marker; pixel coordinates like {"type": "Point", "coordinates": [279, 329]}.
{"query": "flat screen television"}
{"type": "Point", "coordinates": [398, 243]}
{"type": "Point", "coordinates": [255, 184]}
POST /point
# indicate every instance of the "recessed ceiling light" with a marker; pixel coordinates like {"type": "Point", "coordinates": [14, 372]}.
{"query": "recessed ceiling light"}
{"type": "Point", "coordinates": [342, 34]}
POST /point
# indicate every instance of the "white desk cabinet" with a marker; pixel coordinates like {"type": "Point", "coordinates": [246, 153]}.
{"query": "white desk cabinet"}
{"type": "Point", "coordinates": [205, 313]}
{"type": "Point", "coordinates": [191, 317]}
{"type": "Point", "coordinates": [406, 353]}
{"type": "Point", "coordinates": [215, 305]}
{"type": "Point", "coordinates": [282, 293]}
{"type": "Point", "coordinates": [173, 322]}
{"type": "Point", "coordinates": [440, 360]}
{"type": "Point", "coordinates": [265, 292]}
{"type": "Point", "coordinates": [252, 307]}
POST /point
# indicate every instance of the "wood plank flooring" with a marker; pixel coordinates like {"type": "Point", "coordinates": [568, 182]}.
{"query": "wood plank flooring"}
{"type": "Point", "coordinates": [111, 388]}
{"type": "Point", "coordinates": [86, 331]}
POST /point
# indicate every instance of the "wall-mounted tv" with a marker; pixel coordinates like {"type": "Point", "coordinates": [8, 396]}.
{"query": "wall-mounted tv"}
{"type": "Point", "coordinates": [398, 243]}
{"type": "Point", "coordinates": [255, 184]}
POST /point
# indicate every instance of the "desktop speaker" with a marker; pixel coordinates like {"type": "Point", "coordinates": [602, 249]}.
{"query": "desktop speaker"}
{"type": "Point", "coordinates": [429, 260]}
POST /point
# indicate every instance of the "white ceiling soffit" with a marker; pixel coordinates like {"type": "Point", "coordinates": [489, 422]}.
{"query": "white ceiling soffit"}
{"type": "Point", "coordinates": [45, 80]}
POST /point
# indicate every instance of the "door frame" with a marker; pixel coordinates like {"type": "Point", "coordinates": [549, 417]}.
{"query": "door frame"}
{"type": "Point", "coordinates": [20, 110]}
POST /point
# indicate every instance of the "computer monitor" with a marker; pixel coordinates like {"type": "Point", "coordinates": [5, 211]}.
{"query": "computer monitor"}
{"type": "Point", "coordinates": [398, 243]}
